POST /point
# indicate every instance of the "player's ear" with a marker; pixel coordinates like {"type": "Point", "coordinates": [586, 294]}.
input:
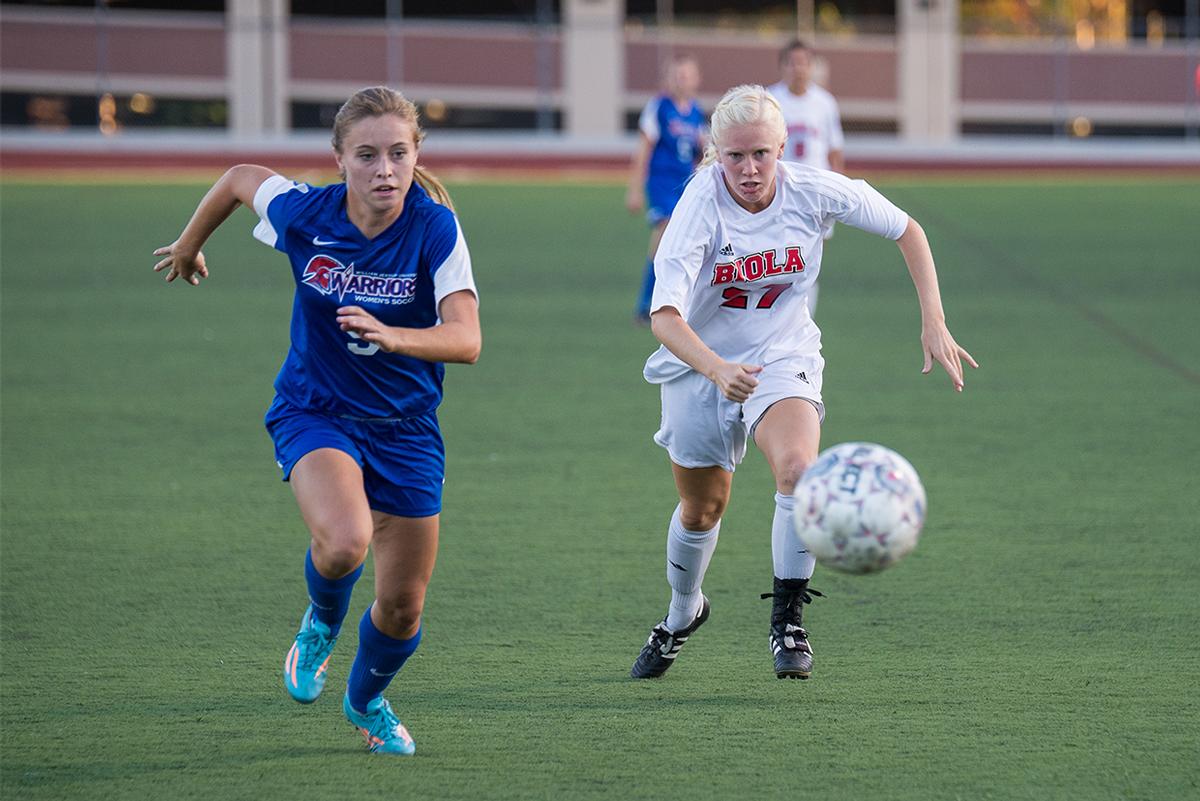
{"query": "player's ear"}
{"type": "Point", "coordinates": [341, 168]}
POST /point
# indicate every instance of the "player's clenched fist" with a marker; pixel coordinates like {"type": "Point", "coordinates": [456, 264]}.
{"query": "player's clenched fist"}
{"type": "Point", "coordinates": [354, 319]}
{"type": "Point", "coordinates": [737, 382]}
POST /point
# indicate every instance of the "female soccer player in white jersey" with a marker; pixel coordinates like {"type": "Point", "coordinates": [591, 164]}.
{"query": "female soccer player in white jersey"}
{"type": "Point", "coordinates": [741, 358]}
{"type": "Point", "coordinates": [384, 296]}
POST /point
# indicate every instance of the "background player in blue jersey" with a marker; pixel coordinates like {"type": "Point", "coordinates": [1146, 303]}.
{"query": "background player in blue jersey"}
{"type": "Point", "coordinates": [670, 142]}
{"type": "Point", "coordinates": [384, 296]}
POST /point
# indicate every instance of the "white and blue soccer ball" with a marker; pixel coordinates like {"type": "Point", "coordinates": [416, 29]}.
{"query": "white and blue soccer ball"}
{"type": "Point", "coordinates": [859, 507]}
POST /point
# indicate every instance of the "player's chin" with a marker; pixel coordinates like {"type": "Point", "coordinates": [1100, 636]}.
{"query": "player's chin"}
{"type": "Point", "coordinates": [386, 199]}
{"type": "Point", "coordinates": [751, 192]}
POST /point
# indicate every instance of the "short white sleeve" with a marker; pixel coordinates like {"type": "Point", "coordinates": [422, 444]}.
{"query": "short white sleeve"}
{"type": "Point", "coordinates": [267, 191]}
{"type": "Point", "coordinates": [872, 212]}
{"type": "Point", "coordinates": [648, 121]}
{"type": "Point", "coordinates": [685, 244]}
{"type": "Point", "coordinates": [454, 274]}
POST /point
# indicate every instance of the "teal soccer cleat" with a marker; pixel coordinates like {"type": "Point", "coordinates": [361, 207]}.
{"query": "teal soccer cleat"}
{"type": "Point", "coordinates": [383, 731]}
{"type": "Point", "coordinates": [304, 669]}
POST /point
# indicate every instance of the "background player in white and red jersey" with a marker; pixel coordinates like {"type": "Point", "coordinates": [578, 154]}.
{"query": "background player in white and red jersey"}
{"type": "Point", "coordinates": [814, 123]}
{"type": "Point", "coordinates": [741, 357]}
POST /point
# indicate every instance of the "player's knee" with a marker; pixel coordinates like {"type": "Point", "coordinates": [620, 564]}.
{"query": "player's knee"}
{"type": "Point", "coordinates": [401, 612]}
{"type": "Point", "coordinates": [701, 515]}
{"type": "Point", "coordinates": [337, 553]}
{"type": "Point", "coordinates": [788, 475]}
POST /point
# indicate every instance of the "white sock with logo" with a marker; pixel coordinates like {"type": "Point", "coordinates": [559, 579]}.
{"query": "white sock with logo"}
{"type": "Point", "coordinates": [791, 560]}
{"type": "Point", "coordinates": [688, 554]}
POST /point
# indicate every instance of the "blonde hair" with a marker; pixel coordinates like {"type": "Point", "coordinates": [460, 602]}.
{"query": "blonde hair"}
{"type": "Point", "coordinates": [742, 105]}
{"type": "Point", "coordinates": [377, 101]}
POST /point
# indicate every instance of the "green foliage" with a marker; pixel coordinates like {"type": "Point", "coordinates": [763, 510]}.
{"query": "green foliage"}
{"type": "Point", "coordinates": [1040, 643]}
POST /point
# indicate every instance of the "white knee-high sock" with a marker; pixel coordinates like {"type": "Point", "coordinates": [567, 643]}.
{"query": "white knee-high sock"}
{"type": "Point", "coordinates": [688, 554]}
{"type": "Point", "coordinates": [792, 561]}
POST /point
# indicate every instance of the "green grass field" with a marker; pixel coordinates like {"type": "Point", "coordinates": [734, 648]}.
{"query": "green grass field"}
{"type": "Point", "coordinates": [1041, 643]}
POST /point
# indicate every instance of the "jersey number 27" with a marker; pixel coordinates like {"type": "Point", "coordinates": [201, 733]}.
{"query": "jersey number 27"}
{"type": "Point", "coordinates": [737, 298]}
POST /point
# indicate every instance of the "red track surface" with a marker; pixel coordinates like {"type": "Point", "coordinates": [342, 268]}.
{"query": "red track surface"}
{"type": "Point", "coordinates": [509, 164]}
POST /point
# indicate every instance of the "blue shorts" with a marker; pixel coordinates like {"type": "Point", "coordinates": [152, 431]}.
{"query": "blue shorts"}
{"type": "Point", "coordinates": [662, 196]}
{"type": "Point", "coordinates": [403, 461]}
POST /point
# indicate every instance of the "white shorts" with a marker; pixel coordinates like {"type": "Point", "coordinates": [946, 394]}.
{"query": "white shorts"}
{"type": "Point", "coordinates": [702, 428]}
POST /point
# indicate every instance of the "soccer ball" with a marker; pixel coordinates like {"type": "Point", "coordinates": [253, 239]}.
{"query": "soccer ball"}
{"type": "Point", "coordinates": [859, 507]}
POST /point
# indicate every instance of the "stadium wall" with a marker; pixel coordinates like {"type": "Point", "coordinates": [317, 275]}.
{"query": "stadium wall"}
{"type": "Point", "coordinates": [1047, 82]}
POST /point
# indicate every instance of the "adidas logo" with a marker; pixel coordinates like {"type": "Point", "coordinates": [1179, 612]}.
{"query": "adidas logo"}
{"type": "Point", "coordinates": [802, 377]}
{"type": "Point", "coordinates": [727, 250]}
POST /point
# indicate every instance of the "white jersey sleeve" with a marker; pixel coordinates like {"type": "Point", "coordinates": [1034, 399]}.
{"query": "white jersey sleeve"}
{"type": "Point", "coordinates": [648, 121]}
{"type": "Point", "coordinates": [685, 246]}
{"type": "Point", "coordinates": [272, 222]}
{"type": "Point", "coordinates": [454, 274]}
{"type": "Point", "coordinates": [857, 203]}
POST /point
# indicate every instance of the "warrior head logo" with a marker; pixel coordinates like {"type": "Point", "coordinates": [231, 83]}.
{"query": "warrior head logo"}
{"type": "Point", "coordinates": [320, 271]}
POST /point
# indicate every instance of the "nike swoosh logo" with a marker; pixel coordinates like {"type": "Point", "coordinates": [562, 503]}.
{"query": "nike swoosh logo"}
{"type": "Point", "coordinates": [320, 242]}
{"type": "Point", "coordinates": [375, 672]}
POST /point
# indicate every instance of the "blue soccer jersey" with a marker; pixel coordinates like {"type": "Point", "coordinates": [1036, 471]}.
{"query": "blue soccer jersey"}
{"type": "Point", "coordinates": [400, 277]}
{"type": "Point", "coordinates": [677, 135]}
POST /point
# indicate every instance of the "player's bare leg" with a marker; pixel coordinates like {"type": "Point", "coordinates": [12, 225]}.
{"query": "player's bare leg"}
{"type": "Point", "coordinates": [691, 540]}
{"type": "Point", "coordinates": [405, 553]}
{"type": "Point", "coordinates": [390, 630]}
{"type": "Point", "coordinates": [328, 487]}
{"type": "Point", "coordinates": [789, 435]}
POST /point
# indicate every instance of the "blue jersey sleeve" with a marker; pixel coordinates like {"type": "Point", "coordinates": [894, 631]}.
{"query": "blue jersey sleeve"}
{"type": "Point", "coordinates": [441, 234]}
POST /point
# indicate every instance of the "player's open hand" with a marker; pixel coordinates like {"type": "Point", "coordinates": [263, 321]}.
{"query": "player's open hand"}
{"type": "Point", "coordinates": [181, 262]}
{"type": "Point", "coordinates": [736, 381]}
{"type": "Point", "coordinates": [939, 346]}
{"type": "Point", "coordinates": [356, 321]}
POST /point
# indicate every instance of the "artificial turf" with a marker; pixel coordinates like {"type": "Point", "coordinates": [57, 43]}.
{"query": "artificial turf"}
{"type": "Point", "coordinates": [1039, 644]}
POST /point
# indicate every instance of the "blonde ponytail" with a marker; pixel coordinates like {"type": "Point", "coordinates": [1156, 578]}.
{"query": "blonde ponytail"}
{"type": "Point", "coordinates": [429, 182]}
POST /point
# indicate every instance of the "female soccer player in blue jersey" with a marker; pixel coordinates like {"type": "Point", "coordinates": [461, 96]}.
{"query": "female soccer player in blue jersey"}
{"type": "Point", "coordinates": [671, 133]}
{"type": "Point", "coordinates": [384, 296]}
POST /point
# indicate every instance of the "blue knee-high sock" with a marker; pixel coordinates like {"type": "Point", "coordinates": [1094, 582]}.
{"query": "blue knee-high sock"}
{"type": "Point", "coordinates": [379, 658]}
{"type": "Point", "coordinates": [647, 292]}
{"type": "Point", "coordinates": [330, 597]}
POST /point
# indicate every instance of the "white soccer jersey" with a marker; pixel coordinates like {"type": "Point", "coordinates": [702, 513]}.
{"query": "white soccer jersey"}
{"type": "Point", "coordinates": [813, 122]}
{"type": "Point", "coordinates": [739, 279]}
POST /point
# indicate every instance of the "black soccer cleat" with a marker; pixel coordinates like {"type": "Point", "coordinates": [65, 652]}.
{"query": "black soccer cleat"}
{"type": "Point", "coordinates": [663, 646]}
{"type": "Point", "coordinates": [789, 641]}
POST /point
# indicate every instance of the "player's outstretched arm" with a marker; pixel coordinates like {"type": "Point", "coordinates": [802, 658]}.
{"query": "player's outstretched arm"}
{"type": "Point", "coordinates": [737, 382]}
{"type": "Point", "coordinates": [936, 342]}
{"type": "Point", "coordinates": [182, 258]}
{"type": "Point", "coordinates": [456, 338]}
